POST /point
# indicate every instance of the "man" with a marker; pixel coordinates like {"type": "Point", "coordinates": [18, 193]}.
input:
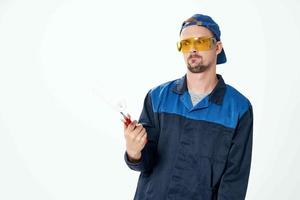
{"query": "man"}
{"type": "Point", "coordinates": [194, 136]}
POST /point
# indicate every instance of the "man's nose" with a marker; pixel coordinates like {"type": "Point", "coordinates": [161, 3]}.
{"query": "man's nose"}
{"type": "Point", "coordinates": [192, 48]}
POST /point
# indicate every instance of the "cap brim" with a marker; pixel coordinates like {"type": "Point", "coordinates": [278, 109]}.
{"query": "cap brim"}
{"type": "Point", "coordinates": [221, 58]}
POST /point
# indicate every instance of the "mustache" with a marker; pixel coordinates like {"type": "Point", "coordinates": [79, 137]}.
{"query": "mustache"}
{"type": "Point", "coordinates": [194, 56]}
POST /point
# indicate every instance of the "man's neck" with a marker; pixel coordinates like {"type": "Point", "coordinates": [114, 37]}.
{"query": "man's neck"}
{"type": "Point", "coordinates": [201, 83]}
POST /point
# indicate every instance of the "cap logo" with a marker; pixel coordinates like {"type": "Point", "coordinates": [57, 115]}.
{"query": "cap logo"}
{"type": "Point", "coordinates": [199, 23]}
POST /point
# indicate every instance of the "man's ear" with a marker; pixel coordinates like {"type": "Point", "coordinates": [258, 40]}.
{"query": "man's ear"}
{"type": "Point", "coordinates": [219, 47]}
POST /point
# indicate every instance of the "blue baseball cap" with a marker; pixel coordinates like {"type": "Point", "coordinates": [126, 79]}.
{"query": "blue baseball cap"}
{"type": "Point", "coordinates": [209, 23]}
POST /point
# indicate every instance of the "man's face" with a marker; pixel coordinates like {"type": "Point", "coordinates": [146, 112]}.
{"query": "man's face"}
{"type": "Point", "coordinates": [199, 61]}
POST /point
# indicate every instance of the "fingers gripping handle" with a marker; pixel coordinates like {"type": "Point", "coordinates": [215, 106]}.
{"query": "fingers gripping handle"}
{"type": "Point", "coordinates": [127, 119]}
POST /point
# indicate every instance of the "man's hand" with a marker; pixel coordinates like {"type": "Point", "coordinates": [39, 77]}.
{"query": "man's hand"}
{"type": "Point", "coordinates": [135, 137]}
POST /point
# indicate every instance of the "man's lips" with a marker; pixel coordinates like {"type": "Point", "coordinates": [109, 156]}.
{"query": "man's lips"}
{"type": "Point", "coordinates": [194, 58]}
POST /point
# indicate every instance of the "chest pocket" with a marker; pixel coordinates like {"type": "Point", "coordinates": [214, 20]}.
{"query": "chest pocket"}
{"type": "Point", "coordinates": [210, 140]}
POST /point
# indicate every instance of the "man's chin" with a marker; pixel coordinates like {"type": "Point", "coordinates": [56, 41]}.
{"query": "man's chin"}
{"type": "Point", "coordinates": [197, 68]}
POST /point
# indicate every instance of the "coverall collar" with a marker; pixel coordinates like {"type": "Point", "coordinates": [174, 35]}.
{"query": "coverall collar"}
{"type": "Point", "coordinates": [216, 96]}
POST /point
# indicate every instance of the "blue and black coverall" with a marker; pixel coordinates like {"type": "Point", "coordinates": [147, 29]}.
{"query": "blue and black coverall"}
{"type": "Point", "coordinates": [200, 152]}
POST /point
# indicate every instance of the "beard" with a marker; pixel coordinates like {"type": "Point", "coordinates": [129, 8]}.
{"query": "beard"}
{"type": "Point", "coordinates": [200, 67]}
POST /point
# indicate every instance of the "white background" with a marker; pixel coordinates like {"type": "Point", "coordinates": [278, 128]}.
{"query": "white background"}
{"type": "Point", "coordinates": [58, 138]}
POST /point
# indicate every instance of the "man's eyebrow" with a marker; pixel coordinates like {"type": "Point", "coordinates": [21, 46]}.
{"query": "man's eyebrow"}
{"type": "Point", "coordinates": [202, 37]}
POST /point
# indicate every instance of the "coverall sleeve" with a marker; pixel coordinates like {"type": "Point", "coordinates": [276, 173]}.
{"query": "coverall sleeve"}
{"type": "Point", "coordinates": [234, 182]}
{"type": "Point", "coordinates": [150, 122]}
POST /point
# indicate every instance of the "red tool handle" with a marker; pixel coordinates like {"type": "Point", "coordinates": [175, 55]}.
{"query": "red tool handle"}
{"type": "Point", "coordinates": [126, 118]}
{"type": "Point", "coordinates": [127, 121]}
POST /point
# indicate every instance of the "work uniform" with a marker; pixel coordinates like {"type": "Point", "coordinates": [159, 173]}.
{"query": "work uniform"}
{"type": "Point", "coordinates": [200, 152]}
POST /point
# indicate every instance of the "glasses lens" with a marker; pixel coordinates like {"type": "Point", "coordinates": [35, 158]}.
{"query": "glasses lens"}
{"type": "Point", "coordinates": [199, 44]}
{"type": "Point", "coordinates": [186, 45]}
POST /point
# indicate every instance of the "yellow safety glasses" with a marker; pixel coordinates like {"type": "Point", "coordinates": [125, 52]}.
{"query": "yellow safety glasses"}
{"type": "Point", "coordinates": [197, 43]}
